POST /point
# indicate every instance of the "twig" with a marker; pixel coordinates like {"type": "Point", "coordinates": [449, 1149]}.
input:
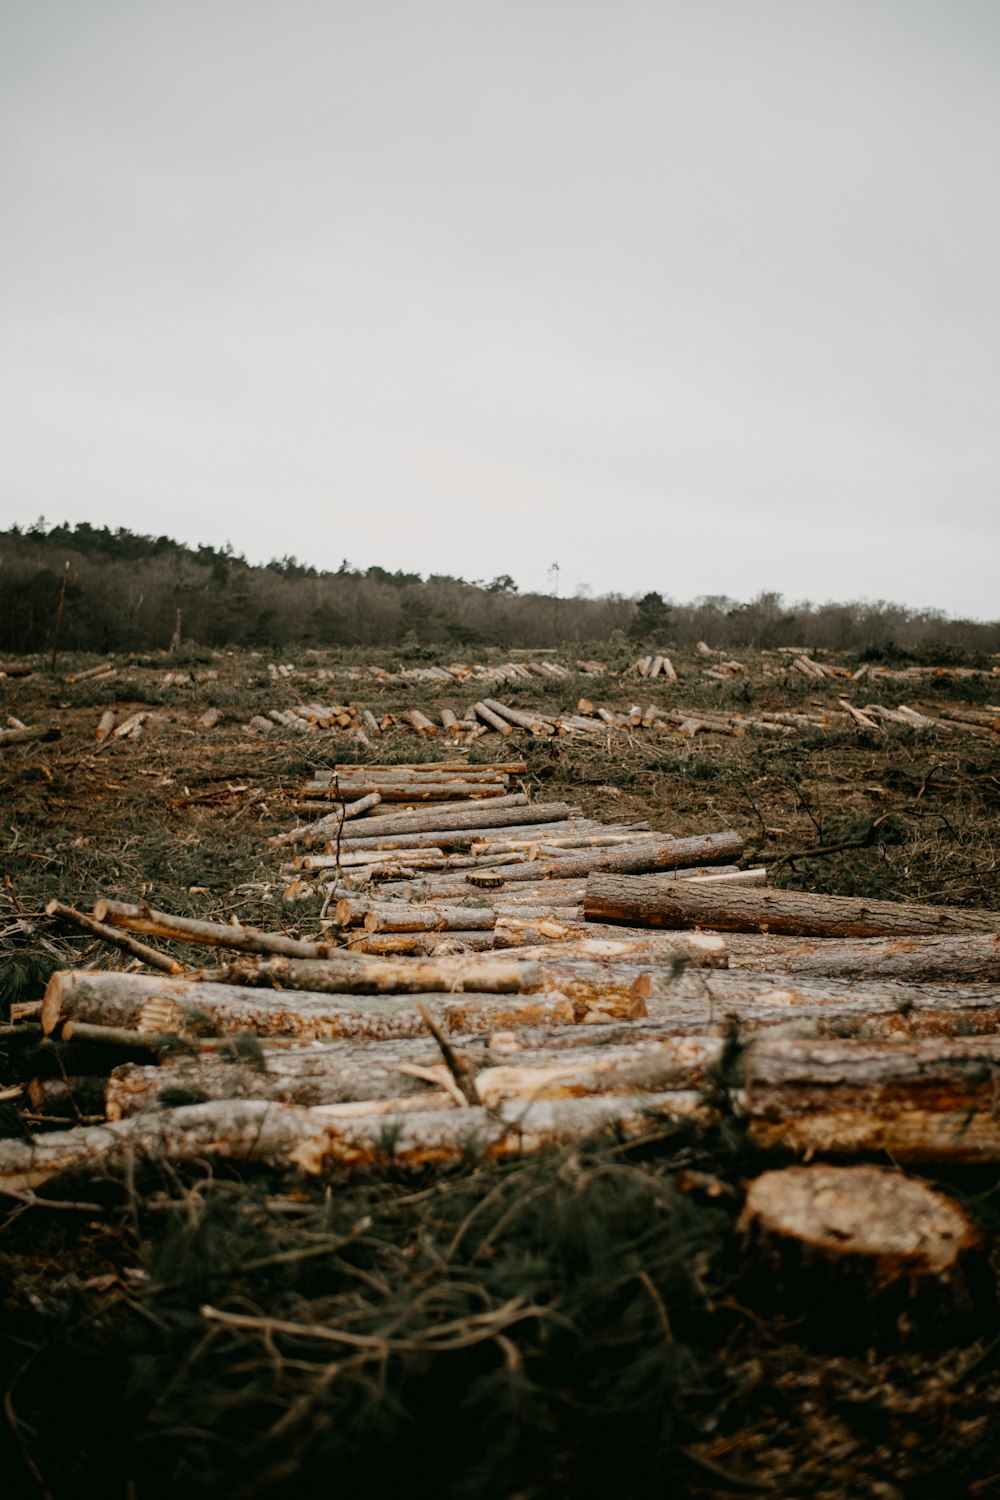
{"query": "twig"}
{"type": "Point", "coordinates": [451, 1058]}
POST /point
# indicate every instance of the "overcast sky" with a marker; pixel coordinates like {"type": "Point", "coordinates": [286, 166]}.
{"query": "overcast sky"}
{"type": "Point", "coordinates": [700, 296]}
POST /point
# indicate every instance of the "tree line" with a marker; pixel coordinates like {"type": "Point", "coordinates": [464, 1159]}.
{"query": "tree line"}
{"type": "Point", "coordinates": [124, 590]}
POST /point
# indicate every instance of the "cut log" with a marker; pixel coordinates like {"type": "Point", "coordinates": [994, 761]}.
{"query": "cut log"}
{"type": "Point", "coordinates": [150, 956]}
{"type": "Point", "coordinates": [894, 1226]}
{"type": "Point", "coordinates": [142, 1003]}
{"type": "Point", "coordinates": [917, 1100]}
{"type": "Point", "coordinates": [214, 934]}
{"type": "Point", "coordinates": [315, 1140]}
{"type": "Point", "coordinates": [105, 724]}
{"type": "Point", "coordinates": [499, 812]}
{"type": "Point", "coordinates": [534, 723]}
{"type": "Point", "coordinates": [492, 720]}
{"type": "Point", "coordinates": [649, 855]}
{"type": "Point", "coordinates": [400, 916]}
{"type": "Point", "coordinates": [678, 904]}
{"type": "Point", "coordinates": [28, 736]}
{"type": "Point", "coordinates": [422, 944]}
{"type": "Point", "coordinates": [972, 957]}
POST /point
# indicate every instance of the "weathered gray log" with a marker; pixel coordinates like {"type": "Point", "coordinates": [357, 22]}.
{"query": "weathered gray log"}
{"type": "Point", "coordinates": [725, 908]}
{"type": "Point", "coordinates": [338, 1073]}
{"type": "Point", "coordinates": [916, 1099]}
{"type": "Point", "coordinates": [149, 1004]}
{"type": "Point", "coordinates": [314, 1140]}
{"type": "Point", "coordinates": [893, 1226]}
{"type": "Point", "coordinates": [971, 957]}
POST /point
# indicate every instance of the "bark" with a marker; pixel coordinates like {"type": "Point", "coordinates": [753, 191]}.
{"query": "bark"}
{"type": "Point", "coordinates": [726, 908]}
{"type": "Point", "coordinates": [892, 1226]}
{"type": "Point", "coordinates": [916, 1099]}
{"type": "Point", "coordinates": [316, 1140]}
{"type": "Point", "coordinates": [963, 959]}
{"type": "Point", "coordinates": [145, 1004]}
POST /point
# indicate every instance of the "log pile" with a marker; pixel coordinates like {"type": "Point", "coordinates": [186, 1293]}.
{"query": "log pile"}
{"type": "Point", "coordinates": [506, 975]}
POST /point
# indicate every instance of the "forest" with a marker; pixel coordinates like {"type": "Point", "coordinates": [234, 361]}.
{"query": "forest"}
{"type": "Point", "coordinates": [123, 592]}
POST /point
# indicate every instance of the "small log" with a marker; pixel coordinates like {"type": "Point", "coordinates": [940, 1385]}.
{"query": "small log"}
{"type": "Point", "coordinates": [491, 719]}
{"type": "Point", "coordinates": [893, 1226]}
{"type": "Point", "coordinates": [105, 724]}
{"type": "Point", "coordinates": [214, 934]}
{"type": "Point", "coordinates": [28, 736]}
{"type": "Point", "coordinates": [400, 916]}
{"type": "Point", "coordinates": [918, 1100]}
{"type": "Point", "coordinates": [971, 957]}
{"type": "Point", "coordinates": [649, 855]}
{"type": "Point", "coordinates": [209, 719]}
{"type": "Point", "coordinates": [106, 669]}
{"type": "Point", "coordinates": [151, 956]}
{"type": "Point", "coordinates": [423, 944]}
{"type": "Point", "coordinates": [678, 904]}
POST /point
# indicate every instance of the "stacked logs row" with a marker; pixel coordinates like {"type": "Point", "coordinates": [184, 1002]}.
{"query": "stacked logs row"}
{"type": "Point", "coordinates": [870, 1026]}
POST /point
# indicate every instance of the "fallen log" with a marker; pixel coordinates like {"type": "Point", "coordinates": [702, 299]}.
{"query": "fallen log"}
{"type": "Point", "coordinates": [492, 720]}
{"type": "Point", "coordinates": [160, 924]}
{"type": "Point", "coordinates": [974, 956]}
{"type": "Point", "coordinates": [27, 736]}
{"type": "Point", "coordinates": [399, 916]}
{"type": "Point", "coordinates": [676, 904]}
{"type": "Point", "coordinates": [917, 1100]}
{"type": "Point", "coordinates": [121, 940]}
{"type": "Point", "coordinates": [400, 1071]}
{"type": "Point", "coordinates": [499, 812]}
{"type": "Point", "coordinates": [422, 944]}
{"type": "Point", "coordinates": [143, 1003]}
{"type": "Point", "coordinates": [646, 856]}
{"type": "Point", "coordinates": [315, 1140]}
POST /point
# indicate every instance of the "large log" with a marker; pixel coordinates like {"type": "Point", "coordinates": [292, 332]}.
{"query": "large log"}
{"type": "Point", "coordinates": [422, 944]}
{"type": "Point", "coordinates": [726, 908]}
{"type": "Point", "coordinates": [400, 1070]}
{"type": "Point", "coordinates": [144, 1003]}
{"type": "Point", "coordinates": [971, 957]}
{"type": "Point", "coordinates": [917, 1100]}
{"type": "Point", "coordinates": [316, 1140]}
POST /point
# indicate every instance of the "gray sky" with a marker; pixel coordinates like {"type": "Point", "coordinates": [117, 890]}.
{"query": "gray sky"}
{"type": "Point", "coordinates": [698, 296]}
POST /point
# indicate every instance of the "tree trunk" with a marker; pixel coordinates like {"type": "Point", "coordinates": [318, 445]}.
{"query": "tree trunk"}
{"type": "Point", "coordinates": [917, 1100]}
{"type": "Point", "coordinates": [735, 909]}
{"type": "Point", "coordinates": [401, 916]}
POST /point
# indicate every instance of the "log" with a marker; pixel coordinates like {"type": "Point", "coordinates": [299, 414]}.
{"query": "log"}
{"type": "Point", "coordinates": [214, 934]}
{"type": "Point", "coordinates": [491, 719]}
{"type": "Point", "coordinates": [975, 956]}
{"type": "Point", "coordinates": [677, 904]}
{"type": "Point", "coordinates": [534, 723]}
{"type": "Point", "coordinates": [28, 736]}
{"type": "Point", "coordinates": [646, 856]}
{"type": "Point", "coordinates": [345, 1073]}
{"type": "Point", "coordinates": [918, 1100]}
{"type": "Point", "coordinates": [422, 791]}
{"type": "Point", "coordinates": [142, 1003]}
{"type": "Point", "coordinates": [893, 1226]}
{"type": "Point", "coordinates": [400, 916]}
{"type": "Point", "coordinates": [500, 812]}
{"type": "Point", "coordinates": [150, 956]}
{"type": "Point", "coordinates": [316, 1140]}
{"type": "Point", "coordinates": [422, 944]}
{"type": "Point", "coordinates": [105, 724]}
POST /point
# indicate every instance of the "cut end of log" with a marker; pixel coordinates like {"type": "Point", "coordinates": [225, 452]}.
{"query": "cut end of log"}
{"type": "Point", "coordinates": [898, 1224]}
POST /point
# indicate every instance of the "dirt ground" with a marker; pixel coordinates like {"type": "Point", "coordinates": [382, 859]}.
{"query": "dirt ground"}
{"type": "Point", "coordinates": [700, 1379]}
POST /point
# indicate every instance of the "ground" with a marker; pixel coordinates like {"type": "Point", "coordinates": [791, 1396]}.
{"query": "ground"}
{"type": "Point", "coordinates": [608, 1326]}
